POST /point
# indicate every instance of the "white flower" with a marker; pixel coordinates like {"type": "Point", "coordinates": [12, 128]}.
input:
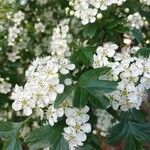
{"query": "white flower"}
{"type": "Point", "coordinates": [105, 121]}
{"type": "Point", "coordinates": [87, 10]}
{"type": "Point", "coordinates": [127, 96]}
{"type": "Point", "coordinates": [147, 2]}
{"type": "Point", "coordinates": [5, 87]}
{"type": "Point", "coordinates": [18, 17]}
{"type": "Point", "coordinates": [23, 100]}
{"type": "Point", "coordinates": [75, 133]}
{"type": "Point", "coordinates": [23, 2]}
{"type": "Point", "coordinates": [40, 27]}
{"type": "Point", "coordinates": [13, 33]}
{"type": "Point", "coordinates": [103, 53]}
{"type": "Point", "coordinates": [68, 81]}
{"type": "Point", "coordinates": [135, 21]}
{"type": "Point", "coordinates": [60, 39]}
{"type": "Point", "coordinates": [13, 56]}
{"type": "Point", "coordinates": [52, 114]}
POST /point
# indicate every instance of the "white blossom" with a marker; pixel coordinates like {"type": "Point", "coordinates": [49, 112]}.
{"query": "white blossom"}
{"type": "Point", "coordinates": [88, 10]}
{"type": "Point", "coordinates": [75, 133]}
{"type": "Point", "coordinates": [103, 53]}
{"type": "Point", "coordinates": [52, 114]}
{"type": "Point", "coordinates": [147, 2]}
{"type": "Point", "coordinates": [5, 87]}
{"type": "Point", "coordinates": [18, 17]}
{"type": "Point", "coordinates": [40, 27]}
{"type": "Point", "coordinates": [135, 20]}
{"type": "Point", "coordinates": [104, 121]}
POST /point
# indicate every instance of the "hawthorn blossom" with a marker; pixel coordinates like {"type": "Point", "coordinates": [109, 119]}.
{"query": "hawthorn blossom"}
{"type": "Point", "coordinates": [104, 121]}
{"type": "Point", "coordinates": [103, 53]}
{"type": "Point", "coordinates": [135, 20]}
{"type": "Point", "coordinates": [5, 87]}
{"type": "Point", "coordinates": [75, 133]}
{"type": "Point", "coordinates": [52, 114]}
{"type": "Point", "coordinates": [89, 10]}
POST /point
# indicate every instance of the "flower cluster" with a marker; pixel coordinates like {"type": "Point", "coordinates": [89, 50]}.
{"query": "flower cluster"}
{"type": "Point", "coordinates": [75, 133]}
{"type": "Point", "coordinates": [104, 121]}
{"type": "Point", "coordinates": [129, 71]}
{"type": "Point", "coordinates": [59, 46]}
{"type": "Point", "coordinates": [42, 87]}
{"type": "Point", "coordinates": [51, 61]}
{"type": "Point", "coordinates": [39, 27]}
{"type": "Point", "coordinates": [103, 53]}
{"type": "Point", "coordinates": [147, 2]}
{"type": "Point", "coordinates": [5, 87]}
{"type": "Point", "coordinates": [16, 29]}
{"type": "Point", "coordinates": [88, 10]}
{"type": "Point", "coordinates": [135, 20]}
{"type": "Point", "coordinates": [43, 83]}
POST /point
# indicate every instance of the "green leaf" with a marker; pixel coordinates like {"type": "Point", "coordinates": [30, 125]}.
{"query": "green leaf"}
{"type": "Point", "coordinates": [92, 74]}
{"type": "Point", "coordinates": [100, 87]}
{"type": "Point", "coordinates": [46, 136]}
{"type": "Point", "coordinates": [118, 133]}
{"type": "Point", "coordinates": [80, 97]}
{"type": "Point", "coordinates": [131, 132]}
{"type": "Point", "coordinates": [62, 145]}
{"type": "Point", "coordinates": [138, 35]}
{"type": "Point", "coordinates": [86, 147]}
{"type": "Point", "coordinates": [121, 29]}
{"type": "Point", "coordinates": [112, 24]}
{"type": "Point", "coordinates": [99, 102]}
{"type": "Point", "coordinates": [39, 138]}
{"type": "Point", "coordinates": [88, 88]}
{"type": "Point", "coordinates": [92, 143]}
{"type": "Point", "coordinates": [132, 143]}
{"type": "Point", "coordinates": [8, 130]}
{"type": "Point", "coordinates": [145, 52]}
{"type": "Point", "coordinates": [61, 97]}
{"type": "Point", "coordinates": [90, 30]}
{"type": "Point", "coordinates": [12, 144]}
{"type": "Point", "coordinates": [84, 55]}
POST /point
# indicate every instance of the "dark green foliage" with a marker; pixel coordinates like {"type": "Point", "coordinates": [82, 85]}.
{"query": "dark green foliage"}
{"type": "Point", "coordinates": [84, 56]}
{"type": "Point", "coordinates": [61, 97]}
{"type": "Point", "coordinates": [145, 52]}
{"type": "Point", "coordinates": [9, 133]}
{"type": "Point", "coordinates": [88, 88]}
{"type": "Point", "coordinates": [47, 136]}
{"type": "Point", "coordinates": [132, 133]}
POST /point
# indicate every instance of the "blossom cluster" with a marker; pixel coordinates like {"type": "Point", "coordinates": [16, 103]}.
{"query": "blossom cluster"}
{"type": "Point", "coordinates": [16, 29]}
{"type": "Point", "coordinates": [89, 10]}
{"type": "Point", "coordinates": [54, 89]}
{"type": "Point", "coordinates": [75, 133]}
{"type": "Point", "coordinates": [136, 20]}
{"type": "Point", "coordinates": [131, 73]}
{"type": "Point", "coordinates": [147, 2]}
{"type": "Point", "coordinates": [5, 87]}
{"type": "Point", "coordinates": [105, 121]}
{"type": "Point", "coordinates": [43, 83]}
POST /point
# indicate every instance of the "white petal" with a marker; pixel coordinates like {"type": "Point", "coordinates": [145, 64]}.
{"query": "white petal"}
{"type": "Point", "coordinates": [52, 96]}
{"type": "Point", "coordinates": [81, 136]}
{"type": "Point", "coordinates": [86, 128]}
{"type": "Point", "coordinates": [16, 106]}
{"type": "Point", "coordinates": [27, 111]}
{"type": "Point", "coordinates": [51, 122]}
{"type": "Point", "coordinates": [60, 112]}
{"type": "Point", "coordinates": [69, 112]}
{"type": "Point", "coordinates": [70, 121]}
{"type": "Point", "coordinates": [60, 88]}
